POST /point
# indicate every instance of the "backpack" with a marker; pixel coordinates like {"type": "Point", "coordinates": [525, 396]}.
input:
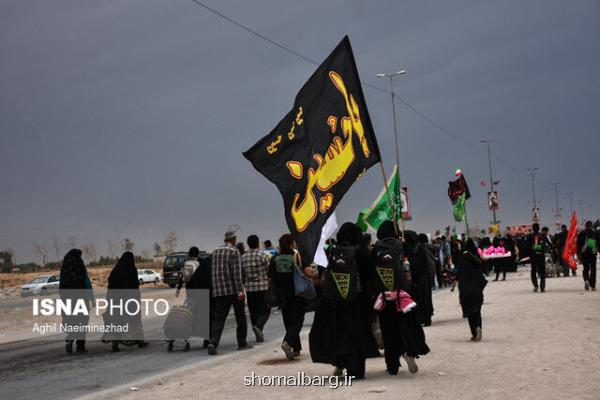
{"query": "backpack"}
{"type": "Point", "coordinates": [590, 245]}
{"type": "Point", "coordinates": [388, 264]}
{"type": "Point", "coordinates": [284, 263]}
{"type": "Point", "coordinates": [342, 282]}
{"type": "Point", "coordinates": [537, 244]}
{"type": "Point", "coordinates": [187, 272]}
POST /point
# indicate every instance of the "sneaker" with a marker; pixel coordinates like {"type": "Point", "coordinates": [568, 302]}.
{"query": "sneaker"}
{"type": "Point", "coordinates": [338, 371]}
{"type": "Point", "coordinates": [212, 349]}
{"type": "Point", "coordinates": [297, 353]}
{"type": "Point", "coordinates": [287, 349]}
{"type": "Point", "coordinates": [412, 364]}
{"type": "Point", "coordinates": [587, 285]}
{"type": "Point", "coordinates": [247, 346]}
{"type": "Point", "coordinates": [478, 335]}
{"type": "Point", "coordinates": [258, 333]}
{"type": "Point", "coordinates": [542, 290]}
{"type": "Point", "coordinates": [535, 289]}
{"type": "Point", "coordinates": [594, 289]}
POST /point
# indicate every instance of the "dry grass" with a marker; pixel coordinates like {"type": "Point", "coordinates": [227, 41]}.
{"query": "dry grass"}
{"type": "Point", "coordinates": [98, 275]}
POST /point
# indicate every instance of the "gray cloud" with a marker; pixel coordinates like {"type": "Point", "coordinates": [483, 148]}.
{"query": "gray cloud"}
{"type": "Point", "coordinates": [131, 116]}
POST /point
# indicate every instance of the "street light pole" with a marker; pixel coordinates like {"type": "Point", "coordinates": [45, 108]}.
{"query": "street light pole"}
{"type": "Point", "coordinates": [488, 142]}
{"type": "Point", "coordinates": [532, 172]}
{"type": "Point", "coordinates": [557, 214]}
{"type": "Point", "coordinates": [570, 194]}
{"type": "Point", "coordinates": [391, 78]}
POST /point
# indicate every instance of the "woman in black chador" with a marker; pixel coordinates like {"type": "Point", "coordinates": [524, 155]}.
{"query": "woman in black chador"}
{"type": "Point", "coordinates": [124, 285]}
{"type": "Point", "coordinates": [75, 284]}
{"type": "Point", "coordinates": [471, 282]}
{"type": "Point", "coordinates": [403, 336]}
{"type": "Point", "coordinates": [341, 331]}
{"type": "Point", "coordinates": [420, 290]}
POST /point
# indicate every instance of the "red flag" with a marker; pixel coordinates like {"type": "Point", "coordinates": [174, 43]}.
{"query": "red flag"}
{"type": "Point", "coordinates": [570, 250]}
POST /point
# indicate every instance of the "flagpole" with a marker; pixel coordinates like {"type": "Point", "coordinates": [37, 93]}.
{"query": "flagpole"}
{"type": "Point", "coordinates": [466, 219]}
{"type": "Point", "coordinates": [387, 192]}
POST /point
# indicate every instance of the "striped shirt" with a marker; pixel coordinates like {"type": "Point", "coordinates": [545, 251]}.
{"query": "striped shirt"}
{"type": "Point", "coordinates": [255, 267]}
{"type": "Point", "coordinates": [226, 271]}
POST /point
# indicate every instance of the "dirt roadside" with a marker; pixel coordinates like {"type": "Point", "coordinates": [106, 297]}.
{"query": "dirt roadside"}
{"type": "Point", "coordinates": [535, 346]}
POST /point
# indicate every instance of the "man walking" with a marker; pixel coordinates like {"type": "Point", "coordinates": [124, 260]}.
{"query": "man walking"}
{"type": "Point", "coordinates": [537, 244]}
{"type": "Point", "coordinates": [228, 290]}
{"type": "Point", "coordinates": [255, 268]}
{"type": "Point", "coordinates": [588, 249]}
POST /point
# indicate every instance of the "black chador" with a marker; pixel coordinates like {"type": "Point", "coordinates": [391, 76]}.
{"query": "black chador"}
{"type": "Point", "coordinates": [341, 331]}
{"type": "Point", "coordinates": [402, 334]}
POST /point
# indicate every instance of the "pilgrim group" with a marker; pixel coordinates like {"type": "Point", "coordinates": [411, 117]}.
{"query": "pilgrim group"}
{"type": "Point", "coordinates": [372, 297]}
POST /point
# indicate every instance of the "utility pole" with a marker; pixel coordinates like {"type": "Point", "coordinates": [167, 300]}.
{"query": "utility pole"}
{"type": "Point", "coordinates": [399, 195]}
{"type": "Point", "coordinates": [532, 172]}
{"type": "Point", "coordinates": [557, 216]}
{"type": "Point", "coordinates": [570, 194]}
{"type": "Point", "coordinates": [488, 142]}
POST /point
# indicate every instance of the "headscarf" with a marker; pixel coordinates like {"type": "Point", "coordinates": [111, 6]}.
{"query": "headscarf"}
{"type": "Point", "coordinates": [351, 233]}
{"type": "Point", "coordinates": [410, 243]}
{"type": "Point", "coordinates": [72, 272]}
{"type": "Point", "coordinates": [472, 250]}
{"type": "Point", "coordinates": [124, 275]}
{"type": "Point", "coordinates": [386, 230]}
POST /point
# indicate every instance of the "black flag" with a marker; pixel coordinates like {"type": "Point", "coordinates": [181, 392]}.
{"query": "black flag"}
{"type": "Point", "coordinates": [320, 148]}
{"type": "Point", "coordinates": [457, 188]}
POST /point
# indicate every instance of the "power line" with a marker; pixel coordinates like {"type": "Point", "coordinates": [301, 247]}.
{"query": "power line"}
{"type": "Point", "coordinates": [424, 116]}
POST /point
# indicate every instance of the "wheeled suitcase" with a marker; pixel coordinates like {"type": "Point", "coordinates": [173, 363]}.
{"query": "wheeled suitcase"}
{"type": "Point", "coordinates": [178, 326]}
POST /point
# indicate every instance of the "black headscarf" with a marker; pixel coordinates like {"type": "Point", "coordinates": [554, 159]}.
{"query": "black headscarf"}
{"type": "Point", "coordinates": [410, 243]}
{"type": "Point", "coordinates": [350, 233]}
{"type": "Point", "coordinates": [73, 273]}
{"type": "Point", "coordinates": [386, 230]}
{"type": "Point", "coordinates": [124, 275]}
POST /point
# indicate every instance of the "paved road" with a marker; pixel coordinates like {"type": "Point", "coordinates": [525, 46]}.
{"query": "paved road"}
{"type": "Point", "coordinates": [42, 370]}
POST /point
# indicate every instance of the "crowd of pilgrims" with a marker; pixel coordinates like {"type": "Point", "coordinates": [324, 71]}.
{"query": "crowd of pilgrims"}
{"type": "Point", "coordinates": [379, 312]}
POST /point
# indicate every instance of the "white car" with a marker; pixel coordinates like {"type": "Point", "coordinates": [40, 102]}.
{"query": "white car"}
{"type": "Point", "coordinates": [41, 285]}
{"type": "Point", "coordinates": [148, 276]}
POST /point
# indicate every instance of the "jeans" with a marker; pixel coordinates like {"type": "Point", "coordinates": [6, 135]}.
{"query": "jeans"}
{"type": "Point", "coordinates": [589, 269]}
{"type": "Point", "coordinates": [474, 322]}
{"type": "Point", "coordinates": [293, 318]}
{"type": "Point", "coordinates": [222, 306]}
{"type": "Point", "coordinates": [538, 266]}
{"type": "Point", "coordinates": [257, 306]}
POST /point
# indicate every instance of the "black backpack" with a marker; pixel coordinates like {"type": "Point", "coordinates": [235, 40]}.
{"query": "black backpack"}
{"type": "Point", "coordinates": [388, 264]}
{"type": "Point", "coordinates": [342, 282]}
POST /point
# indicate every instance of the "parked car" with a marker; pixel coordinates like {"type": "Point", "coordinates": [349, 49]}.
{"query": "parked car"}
{"type": "Point", "coordinates": [174, 263]}
{"type": "Point", "coordinates": [148, 276]}
{"type": "Point", "coordinates": [41, 285]}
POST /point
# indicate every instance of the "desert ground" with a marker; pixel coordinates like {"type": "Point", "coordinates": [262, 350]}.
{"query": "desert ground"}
{"type": "Point", "coordinates": [535, 346]}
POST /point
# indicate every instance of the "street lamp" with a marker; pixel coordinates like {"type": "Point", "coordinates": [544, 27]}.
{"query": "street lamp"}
{"type": "Point", "coordinates": [487, 143]}
{"type": "Point", "coordinates": [391, 78]}
{"type": "Point", "coordinates": [532, 172]}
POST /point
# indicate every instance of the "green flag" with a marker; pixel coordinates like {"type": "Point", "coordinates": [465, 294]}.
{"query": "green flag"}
{"type": "Point", "coordinates": [459, 208]}
{"type": "Point", "coordinates": [361, 222]}
{"type": "Point", "coordinates": [380, 210]}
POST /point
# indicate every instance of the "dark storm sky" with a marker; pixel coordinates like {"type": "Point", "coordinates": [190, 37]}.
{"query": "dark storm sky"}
{"type": "Point", "coordinates": [128, 118]}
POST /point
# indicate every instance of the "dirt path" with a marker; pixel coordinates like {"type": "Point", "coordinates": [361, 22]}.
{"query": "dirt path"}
{"type": "Point", "coordinates": [535, 346]}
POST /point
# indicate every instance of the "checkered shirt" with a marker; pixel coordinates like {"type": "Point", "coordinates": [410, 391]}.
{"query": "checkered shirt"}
{"type": "Point", "coordinates": [226, 270]}
{"type": "Point", "coordinates": [255, 267]}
